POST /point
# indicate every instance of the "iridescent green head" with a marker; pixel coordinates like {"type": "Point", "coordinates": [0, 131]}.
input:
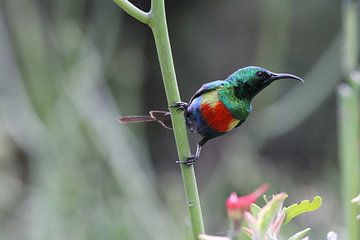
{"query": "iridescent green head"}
{"type": "Point", "coordinates": [249, 81]}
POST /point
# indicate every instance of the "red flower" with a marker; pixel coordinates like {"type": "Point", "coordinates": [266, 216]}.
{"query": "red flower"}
{"type": "Point", "coordinates": [236, 206]}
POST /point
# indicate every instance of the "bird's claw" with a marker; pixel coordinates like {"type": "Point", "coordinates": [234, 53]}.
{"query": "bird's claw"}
{"type": "Point", "coordinates": [180, 106]}
{"type": "Point", "coordinates": [189, 160]}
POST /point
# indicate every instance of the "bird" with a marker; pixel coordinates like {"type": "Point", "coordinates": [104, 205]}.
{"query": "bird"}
{"type": "Point", "coordinates": [218, 107]}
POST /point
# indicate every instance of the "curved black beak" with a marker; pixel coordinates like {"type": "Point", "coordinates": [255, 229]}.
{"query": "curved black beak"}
{"type": "Point", "coordinates": [276, 76]}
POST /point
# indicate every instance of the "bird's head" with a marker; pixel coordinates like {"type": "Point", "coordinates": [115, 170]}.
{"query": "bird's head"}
{"type": "Point", "coordinates": [249, 81]}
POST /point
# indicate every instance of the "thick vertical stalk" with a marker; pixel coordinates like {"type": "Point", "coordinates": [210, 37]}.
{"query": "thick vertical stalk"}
{"type": "Point", "coordinates": [350, 9]}
{"type": "Point", "coordinates": [349, 118]}
{"type": "Point", "coordinates": [156, 19]}
{"type": "Point", "coordinates": [273, 42]}
{"type": "Point", "coordinates": [159, 28]}
{"type": "Point", "coordinates": [349, 155]}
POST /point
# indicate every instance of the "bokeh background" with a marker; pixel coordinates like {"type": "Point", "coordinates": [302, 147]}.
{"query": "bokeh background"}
{"type": "Point", "coordinates": [68, 69]}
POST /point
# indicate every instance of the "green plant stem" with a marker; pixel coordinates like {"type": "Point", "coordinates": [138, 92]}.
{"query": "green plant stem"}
{"type": "Point", "coordinates": [349, 117]}
{"type": "Point", "coordinates": [350, 10]}
{"type": "Point", "coordinates": [349, 154]}
{"type": "Point", "coordinates": [157, 22]}
{"type": "Point", "coordinates": [133, 11]}
{"type": "Point", "coordinates": [159, 28]}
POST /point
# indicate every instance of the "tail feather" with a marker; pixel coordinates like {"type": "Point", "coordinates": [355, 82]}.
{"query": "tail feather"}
{"type": "Point", "coordinates": [128, 119]}
{"type": "Point", "coordinates": [162, 117]}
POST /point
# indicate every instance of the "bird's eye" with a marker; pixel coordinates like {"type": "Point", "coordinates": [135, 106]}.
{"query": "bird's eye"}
{"type": "Point", "coordinates": [259, 74]}
{"type": "Point", "coordinates": [262, 74]}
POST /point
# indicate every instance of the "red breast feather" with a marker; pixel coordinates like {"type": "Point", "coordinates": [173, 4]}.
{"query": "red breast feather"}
{"type": "Point", "coordinates": [218, 117]}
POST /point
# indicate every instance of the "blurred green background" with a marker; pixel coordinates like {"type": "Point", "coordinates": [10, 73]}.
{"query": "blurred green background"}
{"type": "Point", "coordinates": [68, 170]}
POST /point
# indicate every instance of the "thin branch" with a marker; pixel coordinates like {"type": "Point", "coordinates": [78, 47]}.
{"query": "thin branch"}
{"type": "Point", "coordinates": [158, 25]}
{"type": "Point", "coordinates": [159, 28]}
{"type": "Point", "coordinates": [133, 11]}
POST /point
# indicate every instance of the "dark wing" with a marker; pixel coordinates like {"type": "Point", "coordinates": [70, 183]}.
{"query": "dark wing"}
{"type": "Point", "coordinates": [207, 88]}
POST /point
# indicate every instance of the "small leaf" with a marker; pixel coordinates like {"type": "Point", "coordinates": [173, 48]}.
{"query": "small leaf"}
{"type": "Point", "coordinates": [300, 235]}
{"type": "Point", "coordinates": [255, 209]}
{"type": "Point", "coordinates": [267, 213]}
{"type": "Point", "coordinates": [300, 208]}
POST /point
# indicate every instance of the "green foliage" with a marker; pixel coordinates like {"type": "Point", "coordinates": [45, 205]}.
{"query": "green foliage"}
{"type": "Point", "coordinates": [300, 208]}
{"type": "Point", "coordinates": [268, 214]}
{"type": "Point", "coordinates": [265, 223]}
{"type": "Point", "coordinates": [255, 209]}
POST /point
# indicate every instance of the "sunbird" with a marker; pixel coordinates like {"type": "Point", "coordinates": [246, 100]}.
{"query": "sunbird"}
{"type": "Point", "coordinates": [219, 106]}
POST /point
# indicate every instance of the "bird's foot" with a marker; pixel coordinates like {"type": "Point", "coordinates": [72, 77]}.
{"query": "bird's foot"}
{"type": "Point", "coordinates": [189, 160]}
{"type": "Point", "coordinates": [180, 106]}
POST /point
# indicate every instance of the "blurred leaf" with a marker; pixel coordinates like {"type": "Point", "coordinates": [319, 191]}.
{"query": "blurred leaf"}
{"type": "Point", "coordinates": [251, 220]}
{"type": "Point", "coordinates": [255, 209]}
{"type": "Point", "coordinates": [275, 227]}
{"type": "Point", "coordinates": [268, 212]}
{"type": "Point", "coordinates": [245, 234]}
{"type": "Point", "coordinates": [300, 208]}
{"type": "Point", "coordinates": [300, 235]}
